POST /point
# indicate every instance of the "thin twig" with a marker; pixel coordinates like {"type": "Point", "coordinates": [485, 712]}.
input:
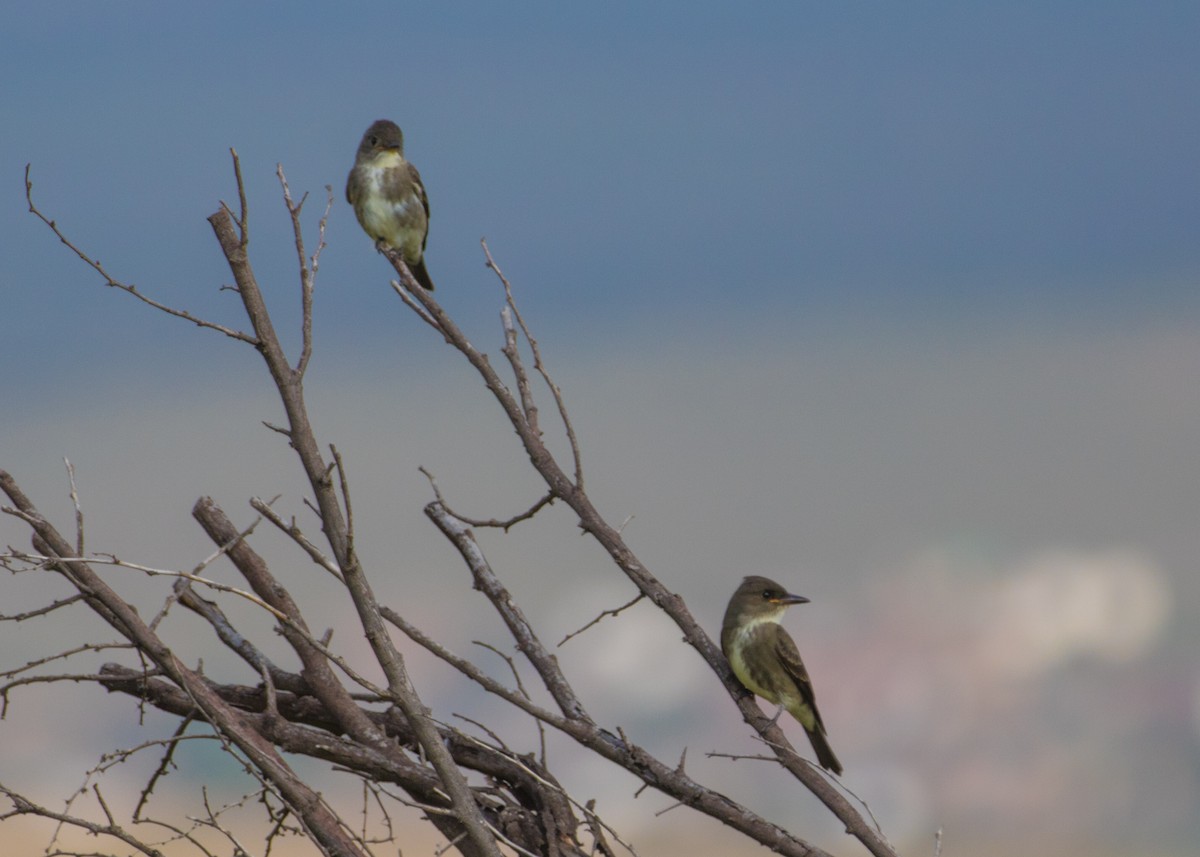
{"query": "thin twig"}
{"type": "Point", "coordinates": [227, 634]}
{"type": "Point", "coordinates": [127, 287]}
{"type": "Point", "coordinates": [514, 360]}
{"type": "Point", "coordinates": [593, 523]}
{"type": "Point", "coordinates": [588, 809]}
{"type": "Point", "coordinates": [109, 559]}
{"type": "Point", "coordinates": [62, 656]}
{"type": "Point", "coordinates": [78, 510]}
{"type": "Point", "coordinates": [415, 307]}
{"type": "Point", "coordinates": [737, 757]}
{"type": "Point", "coordinates": [505, 524]}
{"type": "Point", "coordinates": [616, 611]}
{"type": "Point", "coordinates": [165, 763]}
{"type": "Point", "coordinates": [345, 486]}
{"type": "Point", "coordinates": [555, 390]}
{"type": "Point", "coordinates": [24, 806]}
{"type": "Point", "coordinates": [41, 611]}
{"type": "Point", "coordinates": [293, 531]}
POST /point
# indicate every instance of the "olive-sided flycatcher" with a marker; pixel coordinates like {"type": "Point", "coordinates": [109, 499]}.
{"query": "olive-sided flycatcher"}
{"type": "Point", "coordinates": [764, 658]}
{"type": "Point", "coordinates": [388, 197]}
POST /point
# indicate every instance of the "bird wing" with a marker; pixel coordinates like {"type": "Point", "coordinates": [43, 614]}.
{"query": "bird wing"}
{"type": "Point", "coordinates": [420, 187]}
{"type": "Point", "coordinates": [789, 656]}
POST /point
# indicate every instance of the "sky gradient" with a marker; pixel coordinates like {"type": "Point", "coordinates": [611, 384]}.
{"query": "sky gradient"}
{"type": "Point", "coordinates": [896, 305]}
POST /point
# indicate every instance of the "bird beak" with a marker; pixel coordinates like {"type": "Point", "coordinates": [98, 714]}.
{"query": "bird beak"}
{"type": "Point", "coordinates": [793, 599]}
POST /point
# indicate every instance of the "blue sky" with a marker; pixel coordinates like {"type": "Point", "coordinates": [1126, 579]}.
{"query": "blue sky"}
{"type": "Point", "coordinates": [896, 303]}
{"type": "Point", "coordinates": [975, 164]}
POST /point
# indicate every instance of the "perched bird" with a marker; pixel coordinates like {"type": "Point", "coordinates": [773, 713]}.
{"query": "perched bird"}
{"type": "Point", "coordinates": [764, 658]}
{"type": "Point", "coordinates": [388, 197]}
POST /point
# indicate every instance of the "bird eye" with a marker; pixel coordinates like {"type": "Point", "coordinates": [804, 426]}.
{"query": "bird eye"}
{"type": "Point", "coordinates": [768, 595]}
{"type": "Point", "coordinates": [374, 141]}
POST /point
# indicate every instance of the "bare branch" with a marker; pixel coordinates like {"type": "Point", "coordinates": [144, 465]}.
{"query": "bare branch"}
{"type": "Point", "coordinates": [616, 611]}
{"type": "Point", "coordinates": [8, 687]}
{"type": "Point", "coordinates": [243, 215]}
{"type": "Point", "coordinates": [41, 611]}
{"type": "Point", "coordinates": [403, 754]}
{"type": "Point", "coordinates": [297, 535]}
{"type": "Point", "coordinates": [62, 656]}
{"type": "Point", "coordinates": [520, 699]}
{"type": "Point", "coordinates": [512, 666]}
{"type": "Point", "coordinates": [229, 635]}
{"type": "Point", "coordinates": [526, 639]}
{"type": "Point", "coordinates": [308, 267]}
{"type": "Point", "coordinates": [303, 440]}
{"type": "Point", "coordinates": [164, 764]}
{"type": "Point", "coordinates": [737, 757]}
{"type": "Point", "coordinates": [345, 487]}
{"type": "Point", "coordinates": [598, 827]}
{"type": "Point", "coordinates": [24, 806]}
{"type": "Point", "coordinates": [230, 723]}
{"type": "Point", "coordinates": [540, 366]}
{"type": "Point", "coordinates": [126, 287]}
{"type": "Point", "coordinates": [621, 751]}
{"type": "Point", "coordinates": [413, 305]}
{"type": "Point", "coordinates": [78, 511]}
{"type": "Point", "coordinates": [506, 524]}
{"type": "Point", "coordinates": [116, 562]}
{"type": "Point", "coordinates": [591, 521]}
{"type": "Point", "coordinates": [514, 360]}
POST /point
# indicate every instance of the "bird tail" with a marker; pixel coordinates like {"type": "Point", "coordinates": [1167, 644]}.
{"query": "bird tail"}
{"type": "Point", "coordinates": [421, 275]}
{"type": "Point", "coordinates": [824, 752]}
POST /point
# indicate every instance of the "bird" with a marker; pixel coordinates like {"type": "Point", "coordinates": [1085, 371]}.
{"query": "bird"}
{"type": "Point", "coordinates": [765, 659]}
{"type": "Point", "coordinates": [388, 197]}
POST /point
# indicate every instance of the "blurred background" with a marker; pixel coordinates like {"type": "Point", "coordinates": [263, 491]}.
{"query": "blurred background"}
{"type": "Point", "coordinates": [896, 305]}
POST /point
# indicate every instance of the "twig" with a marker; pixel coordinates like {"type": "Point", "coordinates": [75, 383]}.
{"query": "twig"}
{"type": "Point", "coordinates": [345, 486]}
{"type": "Point", "coordinates": [616, 611]}
{"type": "Point", "coordinates": [588, 808]}
{"type": "Point", "coordinates": [620, 750]}
{"type": "Point", "coordinates": [306, 274]}
{"type": "Point", "coordinates": [737, 757]}
{"type": "Point", "coordinates": [166, 762]}
{"type": "Point", "coordinates": [483, 727]}
{"type": "Point", "coordinates": [505, 525]}
{"type": "Point", "coordinates": [292, 531]}
{"type": "Point", "coordinates": [267, 764]}
{"type": "Point", "coordinates": [414, 306]}
{"type": "Point", "coordinates": [303, 440]}
{"type": "Point", "coordinates": [62, 656]}
{"type": "Point", "coordinates": [555, 390]}
{"type": "Point", "coordinates": [109, 559]}
{"type": "Point", "coordinates": [6, 688]}
{"type": "Point", "coordinates": [512, 666]}
{"type": "Point", "coordinates": [514, 360]}
{"type": "Point", "coordinates": [24, 806]}
{"type": "Point", "coordinates": [593, 523]}
{"type": "Point", "coordinates": [78, 510]}
{"type": "Point", "coordinates": [41, 611]}
{"type": "Point", "coordinates": [127, 287]}
{"type": "Point", "coordinates": [527, 640]}
{"type": "Point", "coordinates": [229, 635]}
{"type": "Point", "coordinates": [597, 828]}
